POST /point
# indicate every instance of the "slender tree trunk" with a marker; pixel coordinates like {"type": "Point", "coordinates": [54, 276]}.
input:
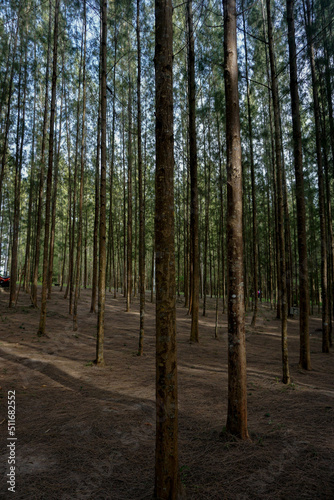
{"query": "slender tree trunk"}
{"type": "Point", "coordinates": [323, 236]}
{"type": "Point", "coordinates": [251, 151]}
{"type": "Point", "coordinates": [112, 170]}
{"type": "Point", "coordinates": [54, 195]}
{"type": "Point", "coordinates": [304, 296]}
{"type": "Point", "coordinates": [206, 229]}
{"type": "Point", "coordinates": [64, 257]}
{"type": "Point", "coordinates": [102, 248]}
{"type": "Point", "coordinates": [129, 224]}
{"type": "Point", "coordinates": [124, 209]}
{"type": "Point", "coordinates": [42, 168]}
{"type": "Point", "coordinates": [7, 125]}
{"type": "Point", "coordinates": [27, 262]}
{"type": "Point", "coordinates": [72, 275]}
{"type": "Point", "coordinates": [141, 197]}
{"type": "Point", "coordinates": [68, 141]}
{"type": "Point", "coordinates": [42, 320]}
{"type": "Point", "coordinates": [85, 279]}
{"type": "Point", "coordinates": [82, 171]}
{"type": "Point", "coordinates": [282, 293]}
{"type": "Point", "coordinates": [167, 479]}
{"type": "Point", "coordinates": [237, 386]}
{"type": "Point", "coordinates": [194, 266]}
{"type": "Point", "coordinates": [18, 169]}
{"type": "Point", "coordinates": [97, 205]}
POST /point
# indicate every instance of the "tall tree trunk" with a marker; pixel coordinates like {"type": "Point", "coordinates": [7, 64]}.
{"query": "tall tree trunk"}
{"type": "Point", "coordinates": [282, 293]}
{"type": "Point", "coordinates": [64, 257]}
{"type": "Point", "coordinates": [68, 141]}
{"type": "Point", "coordinates": [111, 247]}
{"type": "Point", "coordinates": [9, 102]}
{"type": "Point", "coordinates": [97, 202]}
{"type": "Point", "coordinates": [141, 197]}
{"type": "Point", "coordinates": [323, 236]}
{"type": "Point", "coordinates": [18, 170]}
{"type": "Point", "coordinates": [54, 194]}
{"type": "Point", "coordinates": [237, 386]}
{"type": "Point", "coordinates": [27, 262]}
{"type": "Point", "coordinates": [206, 217]}
{"type": "Point", "coordinates": [277, 280]}
{"type": "Point", "coordinates": [129, 225]}
{"type": "Point", "coordinates": [42, 168]}
{"type": "Point", "coordinates": [304, 296]}
{"type": "Point", "coordinates": [251, 151]}
{"type": "Point", "coordinates": [82, 171]}
{"type": "Point", "coordinates": [194, 265]}
{"type": "Point", "coordinates": [75, 178]}
{"type": "Point", "coordinates": [42, 320]}
{"type": "Point", "coordinates": [103, 188]}
{"type": "Point", "coordinates": [167, 479]}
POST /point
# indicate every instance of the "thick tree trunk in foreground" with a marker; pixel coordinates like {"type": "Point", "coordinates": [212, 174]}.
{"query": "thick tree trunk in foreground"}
{"type": "Point", "coordinates": [42, 320]}
{"type": "Point", "coordinates": [282, 292]}
{"type": "Point", "coordinates": [103, 188]}
{"type": "Point", "coordinates": [237, 387]}
{"type": "Point", "coordinates": [304, 296]}
{"type": "Point", "coordinates": [167, 480]}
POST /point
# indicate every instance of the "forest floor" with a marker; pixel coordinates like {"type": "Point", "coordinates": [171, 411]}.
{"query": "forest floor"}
{"type": "Point", "coordinates": [85, 432]}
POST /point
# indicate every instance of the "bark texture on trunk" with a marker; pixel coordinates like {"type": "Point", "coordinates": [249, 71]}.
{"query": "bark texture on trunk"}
{"type": "Point", "coordinates": [282, 291]}
{"type": "Point", "coordinates": [103, 189]}
{"type": "Point", "coordinates": [304, 296]}
{"type": "Point", "coordinates": [81, 192]}
{"type": "Point", "coordinates": [167, 481]}
{"type": "Point", "coordinates": [42, 320]}
{"type": "Point", "coordinates": [141, 198]}
{"type": "Point", "coordinates": [323, 234]}
{"type": "Point", "coordinates": [237, 388]}
{"type": "Point", "coordinates": [194, 265]}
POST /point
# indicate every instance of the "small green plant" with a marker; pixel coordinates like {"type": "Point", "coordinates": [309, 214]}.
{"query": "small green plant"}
{"type": "Point", "coordinates": [90, 363]}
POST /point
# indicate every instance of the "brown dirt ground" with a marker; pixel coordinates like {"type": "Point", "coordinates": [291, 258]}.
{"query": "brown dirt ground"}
{"type": "Point", "coordinates": [88, 433]}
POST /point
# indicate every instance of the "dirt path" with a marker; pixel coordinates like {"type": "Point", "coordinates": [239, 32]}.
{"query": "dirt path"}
{"type": "Point", "coordinates": [88, 433]}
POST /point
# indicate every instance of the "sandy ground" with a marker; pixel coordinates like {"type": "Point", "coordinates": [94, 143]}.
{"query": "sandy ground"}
{"type": "Point", "coordinates": [88, 433]}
